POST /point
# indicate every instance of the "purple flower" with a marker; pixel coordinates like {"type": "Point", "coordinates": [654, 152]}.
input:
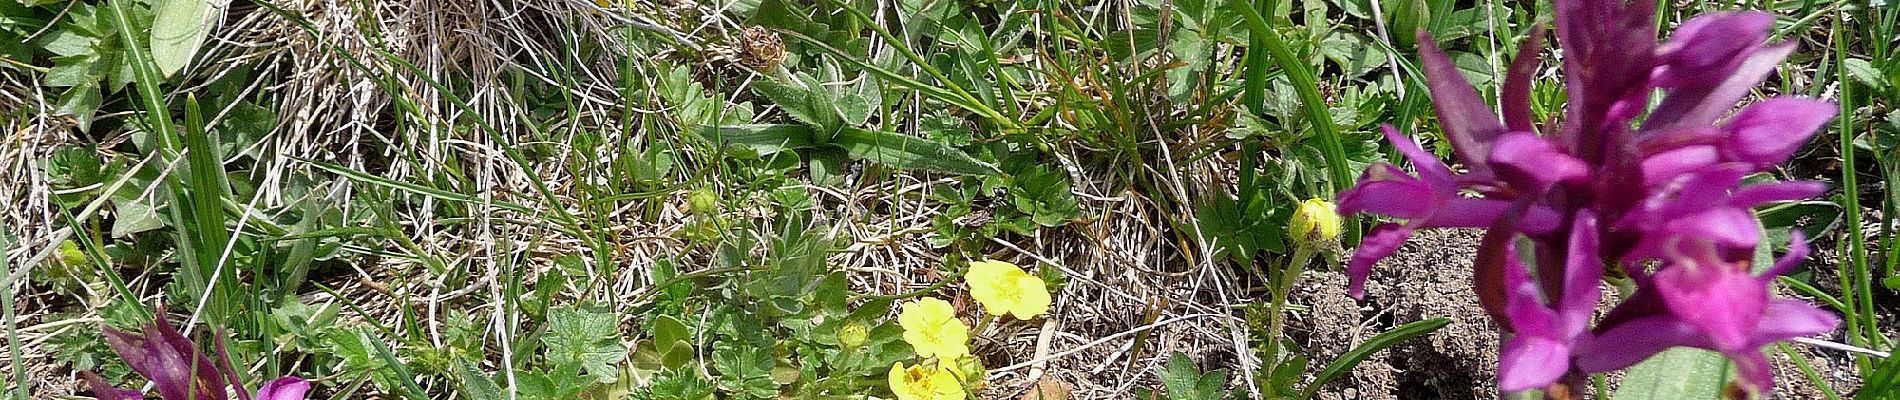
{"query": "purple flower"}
{"type": "Point", "coordinates": [1599, 186]}
{"type": "Point", "coordinates": [180, 371]}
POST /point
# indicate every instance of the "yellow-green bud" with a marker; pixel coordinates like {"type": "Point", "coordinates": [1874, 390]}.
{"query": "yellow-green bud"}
{"type": "Point", "coordinates": [1314, 224]}
{"type": "Point", "coordinates": [703, 201]}
{"type": "Point", "coordinates": [852, 335]}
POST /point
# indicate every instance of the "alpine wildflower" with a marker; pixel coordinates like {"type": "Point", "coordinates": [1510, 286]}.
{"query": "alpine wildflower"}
{"type": "Point", "coordinates": [1613, 181]}
{"type": "Point", "coordinates": [918, 382]}
{"type": "Point", "coordinates": [1004, 288]}
{"type": "Point", "coordinates": [933, 330]}
{"type": "Point", "coordinates": [179, 371]}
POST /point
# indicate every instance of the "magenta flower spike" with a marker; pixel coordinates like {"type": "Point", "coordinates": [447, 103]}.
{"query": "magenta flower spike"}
{"type": "Point", "coordinates": [1597, 186]}
{"type": "Point", "coordinates": [179, 371]}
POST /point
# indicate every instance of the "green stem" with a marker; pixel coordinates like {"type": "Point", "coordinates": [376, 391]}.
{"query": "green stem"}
{"type": "Point", "coordinates": [1283, 286]}
{"type": "Point", "coordinates": [1854, 276]}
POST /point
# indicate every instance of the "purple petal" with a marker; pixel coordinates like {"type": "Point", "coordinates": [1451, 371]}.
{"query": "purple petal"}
{"type": "Point", "coordinates": [1720, 299]}
{"type": "Point", "coordinates": [1730, 226]}
{"type": "Point", "coordinates": [103, 391]}
{"type": "Point", "coordinates": [1469, 123]}
{"type": "Point", "coordinates": [285, 388]}
{"type": "Point", "coordinates": [1632, 341]}
{"type": "Point", "coordinates": [1665, 166]}
{"type": "Point", "coordinates": [1753, 371]}
{"type": "Point", "coordinates": [1650, 143]}
{"type": "Point", "coordinates": [1465, 213]}
{"type": "Point", "coordinates": [1529, 362]}
{"type": "Point", "coordinates": [1528, 315]}
{"type": "Point", "coordinates": [1787, 318]}
{"type": "Point", "coordinates": [1583, 269]}
{"type": "Point", "coordinates": [1378, 244]}
{"type": "Point", "coordinates": [1532, 164]}
{"type": "Point", "coordinates": [1609, 51]}
{"type": "Point", "coordinates": [1688, 107]}
{"type": "Point", "coordinates": [1708, 48]}
{"type": "Point", "coordinates": [1797, 252]}
{"type": "Point", "coordinates": [1517, 82]}
{"type": "Point", "coordinates": [170, 360]}
{"type": "Point", "coordinates": [1755, 195]}
{"type": "Point", "coordinates": [1769, 131]}
{"type": "Point", "coordinates": [1430, 170]}
{"type": "Point", "coordinates": [1385, 190]}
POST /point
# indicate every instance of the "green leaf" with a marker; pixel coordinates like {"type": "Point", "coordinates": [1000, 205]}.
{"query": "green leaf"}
{"type": "Point", "coordinates": [746, 370]}
{"type": "Point", "coordinates": [668, 330]}
{"type": "Point", "coordinates": [904, 151]}
{"type": "Point", "coordinates": [1186, 382]}
{"type": "Point", "coordinates": [764, 139]}
{"type": "Point", "coordinates": [477, 385]}
{"type": "Point", "coordinates": [1865, 73]}
{"type": "Point", "coordinates": [82, 103]}
{"type": "Point", "coordinates": [133, 215]}
{"type": "Point", "coordinates": [1679, 373]}
{"type": "Point", "coordinates": [587, 339]}
{"type": "Point", "coordinates": [178, 29]}
{"type": "Point", "coordinates": [1043, 193]}
{"type": "Point", "coordinates": [805, 105]}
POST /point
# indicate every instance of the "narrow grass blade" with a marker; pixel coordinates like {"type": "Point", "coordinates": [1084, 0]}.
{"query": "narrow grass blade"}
{"type": "Point", "coordinates": [1380, 342]}
{"type": "Point", "coordinates": [1307, 88]}
{"type": "Point", "coordinates": [13, 326]}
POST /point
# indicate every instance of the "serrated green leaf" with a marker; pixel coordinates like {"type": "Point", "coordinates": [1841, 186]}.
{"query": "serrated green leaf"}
{"type": "Point", "coordinates": [178, 29]}
{"type": "Point", "coordinates": [904, 151]}
{"type": "Point", "coordinates": [1678, 373]}
{"type": "Point", "coordinates": [1185, 381]}
{"type": "Point", "coordinates": [746, 370]}
{"type": "Point", "coordinates": [587, 339]}
{"type": "Point", "coordinates": [477, 385]}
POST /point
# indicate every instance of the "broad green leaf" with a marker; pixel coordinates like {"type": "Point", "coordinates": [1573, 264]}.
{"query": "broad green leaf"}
{"type": "Point", "coordinates": [762, 138]}
{"type": "Point", "coordinates": [587, 339]}
{"type": "Point", "coordinates": [477, 385]}
{"type": "Point", "coordinates": [178, 29]}
{"type": "Point", "coordinates": [1185, 381]}
{"type": "Point", "coordinates": [132, 215]}
{"type": "Point", "coordinates": [82, 103]}
{"type": "Point", "coordinates": [903, 151]}
{"type": "Point", "coordinates": [1679, 373]}
{"type": "Point", "coordinates": [1865, 73]}
{"type": "Point", "coordinates": [668, 330]}
{"type": "Point", "coordinates": [803, 104]}
{"type": "Point", "coordinates": [745, 370]}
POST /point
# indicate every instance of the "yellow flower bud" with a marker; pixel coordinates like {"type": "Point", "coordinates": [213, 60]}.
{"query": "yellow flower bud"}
{"type": "Point", "coordinates": [1315, 223]}
{"type": "Point", "coordinates": [853, 334]}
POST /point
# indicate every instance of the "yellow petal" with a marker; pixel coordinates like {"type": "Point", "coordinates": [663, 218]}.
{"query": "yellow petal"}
{"type": "Point", "coordinates": [900, 386]}
{"type": "Point", "coordinates": [989, 281]}
{"type": "Point", "coordinates": [1032, 297]}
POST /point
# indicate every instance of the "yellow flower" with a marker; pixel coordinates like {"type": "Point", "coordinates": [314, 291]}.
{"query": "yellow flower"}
{"type": "Point", "coordinates": [1004, 288]}
{"type": "Point", "coordinates": [919, 383]}
{"type": "Point", "coordinates": [932, 328]}
{"type": "Point", "coordinates": [1315, 223]}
